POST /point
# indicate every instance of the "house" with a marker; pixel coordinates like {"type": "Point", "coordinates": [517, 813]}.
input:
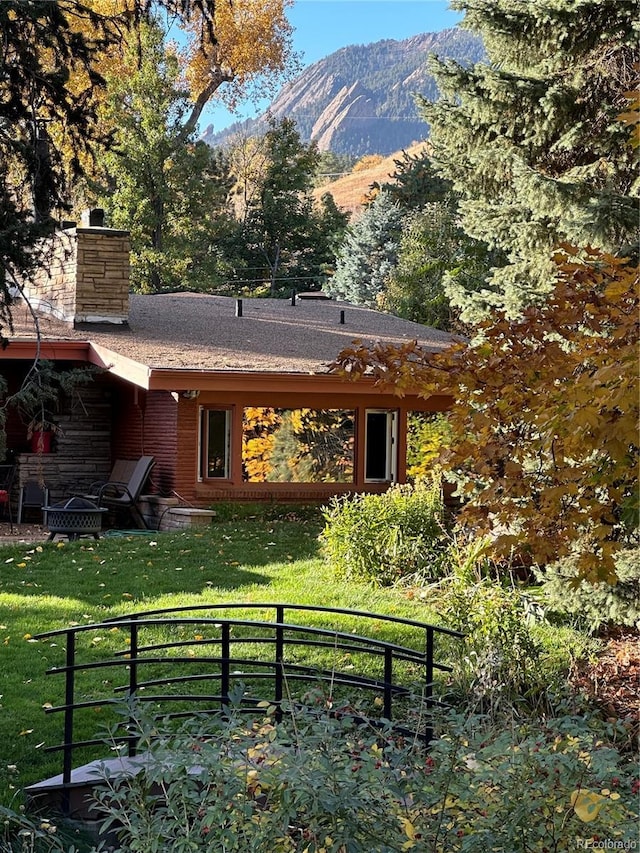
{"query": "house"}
{"type": "Point", "coordinates": [233, 398]}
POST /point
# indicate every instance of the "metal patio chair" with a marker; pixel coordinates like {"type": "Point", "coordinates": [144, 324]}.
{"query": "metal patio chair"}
{"type": "Point", "coordinates": [33, 495]}
{"type": "Point", "coordinates": [125, 495]}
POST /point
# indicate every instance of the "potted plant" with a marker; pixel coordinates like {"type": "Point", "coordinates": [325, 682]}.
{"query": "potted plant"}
{"type": "Point", "coordinates": [40, 432]}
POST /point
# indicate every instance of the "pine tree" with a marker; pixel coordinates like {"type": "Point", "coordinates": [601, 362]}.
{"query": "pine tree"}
{"type": "Point", "coordinates": [531, 142]}
{"type": "Point", "coordinates": [436, 257]}
{"type": "Point", "coordinates": [415, 182]}
{"type": "Point", "coordinates": [288, 237]}
{"type": "Point", "coordinates": [369, 253]}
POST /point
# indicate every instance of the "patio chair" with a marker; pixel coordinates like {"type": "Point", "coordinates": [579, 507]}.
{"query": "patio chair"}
{"type": "Point", "coordinates": [125, 495]}
{"type": "Point", "coordinates": [33, 495]}
{"type": "Point", "coordinates": [122, 471]}
{"type": "Point", "coordinates": [7, 473]}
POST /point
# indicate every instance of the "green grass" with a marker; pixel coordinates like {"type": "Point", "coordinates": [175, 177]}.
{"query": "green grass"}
{"type": "Point", "coordinates": [56, 585]}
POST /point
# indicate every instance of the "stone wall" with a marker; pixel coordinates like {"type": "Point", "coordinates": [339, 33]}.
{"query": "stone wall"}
{"type": "Point", "coordinates": [168, 514]}
{"type": "Point", "coordinates": [82, 449]}
{"type": "Point", "coordinates": [86, 279]}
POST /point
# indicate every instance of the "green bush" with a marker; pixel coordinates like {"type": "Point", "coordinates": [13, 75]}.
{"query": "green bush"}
{"type": "Point", "coordinates": [315, 783]}
{"type": "Point", "coordinates": [593, 606]}
{"type": "Point", "coordinates": [384, 538]}
{"type": "Point", "coordinates": [23, 833]}
{"type": "Point", "coordinates": [499, 659]}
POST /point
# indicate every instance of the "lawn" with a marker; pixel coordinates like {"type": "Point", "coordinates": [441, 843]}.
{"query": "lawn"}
{"type": "Point", "coordinates": [55, 585]}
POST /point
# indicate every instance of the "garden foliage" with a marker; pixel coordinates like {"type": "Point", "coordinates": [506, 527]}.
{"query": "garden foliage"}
{"type": "Point", "coordinates": [316, 783]}
{"type": "Point", "coordinates": [499, 657]}
{"type": "Point", "coordinates": [24, 833]}
{"type": "Point", "coordinates": [427, 436]}
{"type": "Point", "coordinates": [383, 538]}
{"type": "Point", "coordinates": [594, 606]}
{"type": "Point", "coordinates": [544, 415]}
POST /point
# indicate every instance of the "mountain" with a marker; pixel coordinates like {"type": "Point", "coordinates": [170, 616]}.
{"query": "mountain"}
{"type": "Point", "coordinates": [359, 100]}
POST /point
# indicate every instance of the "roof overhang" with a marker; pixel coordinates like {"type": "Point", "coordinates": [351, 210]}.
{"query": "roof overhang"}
{"type": "Point", "coordinates": [57, 350]}
{"type": "Point", "coordinates": [190, 379]}
{"type": "Point", "coordinates": [194, 379]}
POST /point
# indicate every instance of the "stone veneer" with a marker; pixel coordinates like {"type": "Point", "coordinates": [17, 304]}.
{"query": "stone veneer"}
{"type": "Point", "coordinates": [87, 279]}
{"type": "Point", "coordinates": [82, 453]}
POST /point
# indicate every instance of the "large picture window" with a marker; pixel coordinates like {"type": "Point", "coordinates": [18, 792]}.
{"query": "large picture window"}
{"type": "Point", "coordinates": [298, 445]}
{"type": "Point", "coordinates": [215, 443]}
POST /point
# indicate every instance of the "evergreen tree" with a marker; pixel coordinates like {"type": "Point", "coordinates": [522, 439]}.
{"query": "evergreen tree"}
{"type": "Point", "coordinates": [290, 241]}
{"type": "Point", "coordinates": [415, 182]}
{"type": "Point", "coordinates": [368, 254]}
{"type": "Point", "coordinates": [171, 194]}
{"type": "Point", "coordinates": [530, 139]}
{"type": "Point", "coordinates": [435, 255]}
{"type": "Point", "coordinates": [435, 258]}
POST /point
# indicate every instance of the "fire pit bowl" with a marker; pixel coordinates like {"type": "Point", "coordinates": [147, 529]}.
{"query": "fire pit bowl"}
{"type": "Point", "coordinates": [74, 517]}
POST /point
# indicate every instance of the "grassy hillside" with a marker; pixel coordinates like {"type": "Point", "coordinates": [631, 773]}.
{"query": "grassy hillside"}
{"type": "Point", "coordinates": [349, 191]}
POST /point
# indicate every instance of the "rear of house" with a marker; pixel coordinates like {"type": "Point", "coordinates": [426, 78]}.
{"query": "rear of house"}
{"type": "Point", "coordinates": [234, 400]}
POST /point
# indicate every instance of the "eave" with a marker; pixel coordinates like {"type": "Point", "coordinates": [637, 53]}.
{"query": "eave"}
{"type": "Point", "coordinates": [195, 379]}
{"type": "Point", "coordinates": [54, 350]}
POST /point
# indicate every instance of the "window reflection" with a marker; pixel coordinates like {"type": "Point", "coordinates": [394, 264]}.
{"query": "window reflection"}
{"type": "Point", "coordinates": [298, 445]}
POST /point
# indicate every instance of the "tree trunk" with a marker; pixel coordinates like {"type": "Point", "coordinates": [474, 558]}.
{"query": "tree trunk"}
{"type": "Point", "coordinates": [202, 100]}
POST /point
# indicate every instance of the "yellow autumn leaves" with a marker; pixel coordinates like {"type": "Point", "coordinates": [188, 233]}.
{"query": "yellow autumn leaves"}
{"type": "Point", "coordinates": [587, 804]}
{"type": "Point", "coordinates": [544, 415]}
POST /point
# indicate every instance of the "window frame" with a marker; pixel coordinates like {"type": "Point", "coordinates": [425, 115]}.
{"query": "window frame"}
{"type": "Point", "coordinates": [390, 445]}
{"type": "Point", "coordinates": [203, 443]}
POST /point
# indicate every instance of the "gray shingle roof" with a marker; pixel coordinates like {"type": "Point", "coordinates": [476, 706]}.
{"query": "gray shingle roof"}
{"type": "Point", "coordinates": [191, 330]}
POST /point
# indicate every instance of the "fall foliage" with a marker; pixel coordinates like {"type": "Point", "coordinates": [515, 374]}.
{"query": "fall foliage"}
{"type": "Point", "coordinates": [297, 445]}
{"type": "Point", "coordinates": [544, 415]}
{"type": "Point", "coordinates": [252, 41]}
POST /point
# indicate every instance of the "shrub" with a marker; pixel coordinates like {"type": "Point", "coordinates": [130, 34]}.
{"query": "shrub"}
{"type": "Point", "coordinates": [499, 656]}
{"type": "Point", "coordinates": [427, 436]}
{"type": "Point", "coordinates": [383, 538]}
{"type": "Point", "coordinates": [594, 605]}
{"type": "Point", "coordinates": [22, 833]}
{"type": "Point", "coordinates": [321, 784]}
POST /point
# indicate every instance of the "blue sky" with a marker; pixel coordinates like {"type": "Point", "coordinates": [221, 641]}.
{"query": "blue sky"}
{"type": "Point", "coordinates": [323, 26]}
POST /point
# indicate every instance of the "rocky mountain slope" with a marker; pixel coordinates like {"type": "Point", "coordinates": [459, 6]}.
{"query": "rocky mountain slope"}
{"type": "Point", "coordinates": [360, 99]}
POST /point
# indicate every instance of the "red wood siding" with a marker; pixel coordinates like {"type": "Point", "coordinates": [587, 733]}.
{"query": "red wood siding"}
{"type": "Point", "coordinates": [161, 440]}
{"type": "Point", "coordinates": [128, 421]}
{"type": "Point", "coordinates": [144, 424]}
{"type": "Point", "coordinates": [187, 450]}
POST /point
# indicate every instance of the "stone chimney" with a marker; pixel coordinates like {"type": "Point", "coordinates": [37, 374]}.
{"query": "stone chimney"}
{"type": "Point", "coordinates": [86, 279]}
